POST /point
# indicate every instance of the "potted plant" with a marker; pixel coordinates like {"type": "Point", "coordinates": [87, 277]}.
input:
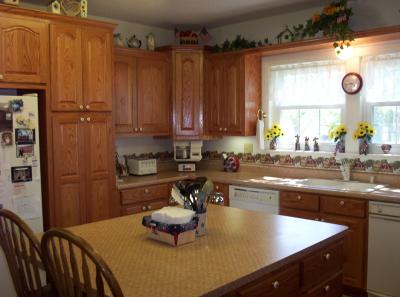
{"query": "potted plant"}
{"type": "Point", "coordinates": [338, 135]}
{"type": "Point", "coordinates": [272, 136]}
{"type": "Point", "coordinates": [364, 134]}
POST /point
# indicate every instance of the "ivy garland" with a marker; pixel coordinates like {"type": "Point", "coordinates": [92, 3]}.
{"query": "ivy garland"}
{"type": "Point", "coordinates": [333, 22]}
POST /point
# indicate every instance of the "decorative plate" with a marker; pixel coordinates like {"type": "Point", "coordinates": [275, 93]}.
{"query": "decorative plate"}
{"type": "Point", "coordinates": [71, 7]}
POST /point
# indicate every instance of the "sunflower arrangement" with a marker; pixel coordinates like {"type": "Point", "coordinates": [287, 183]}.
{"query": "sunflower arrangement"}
{"type": "Point", "coordinates": [338, 132]}
{"type": "Point", "coordinates": [273, 134]}
{"type": "Point", "coordinates": [364, 131]}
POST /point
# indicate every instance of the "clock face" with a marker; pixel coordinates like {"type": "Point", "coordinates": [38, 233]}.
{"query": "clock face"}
{"type": "Point", "coordinates": [352, 83]}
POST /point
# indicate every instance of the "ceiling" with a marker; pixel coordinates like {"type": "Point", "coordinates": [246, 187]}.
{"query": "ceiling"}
{"type": "Point", "coordinates": [195, 13]}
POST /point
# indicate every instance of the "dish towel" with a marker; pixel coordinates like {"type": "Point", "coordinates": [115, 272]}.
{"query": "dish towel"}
{"type": "Point", "coordinates": [260, 134]}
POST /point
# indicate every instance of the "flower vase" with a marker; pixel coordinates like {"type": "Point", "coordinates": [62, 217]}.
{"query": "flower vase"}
{"type": "Point", "coordinates": [273, 144]}
{"type": "Point", "coordinates": [340, 146]}
{"type": "Point", "coordinates": [363, 147]}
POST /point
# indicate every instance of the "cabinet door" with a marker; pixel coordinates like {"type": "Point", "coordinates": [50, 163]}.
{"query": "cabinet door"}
{"type": "Point", "coordinates": [68, 164]}
{"type": "Point", "coordinates": [224, 190]}
{"type": "Point", "coordinates": [234, 102]}
{"type": "Point", "coordinates": [214, 103]}
{"type": "Point", "coordinates": [100, 168]}
{"type": "Point", "coordinates": [24, 47]}
{"type": "Point", "coordinates": [97, 67]}
{"type": "Point", "coordinates": [125, 102]}
{"type": "Point", "coordinates": [188, 120]}
{"type": "Point", "coordinates": [153, 96]}
{"type": "Point", "coordinates": [354, 250]}
{"type": "Point", "coordinates": [66, 67]}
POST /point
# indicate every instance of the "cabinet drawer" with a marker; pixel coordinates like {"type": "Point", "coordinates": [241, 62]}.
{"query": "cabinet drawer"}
{"type": "Point", "coordinates": [343, 206]}
{"type": "Point", "coordinates": [144, 194]}
{"type": "Point", "coordinates": [329, 288]}
{"type": "Point", "coordinates": [308, 215]}
{"type": "Point", "coordinates": [322, 264]}
{"type": "Point", "coordinates": [144, 206]}
{"type": "Point", "coordinates": [299, 201]}
{"type": "Point", "coordinates": [284, 283]}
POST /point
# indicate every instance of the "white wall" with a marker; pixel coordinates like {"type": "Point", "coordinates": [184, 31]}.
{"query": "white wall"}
{"type": "Point", "coordinates": [140, 145]}
{"type": "Point", "coordinates": [367, 14]}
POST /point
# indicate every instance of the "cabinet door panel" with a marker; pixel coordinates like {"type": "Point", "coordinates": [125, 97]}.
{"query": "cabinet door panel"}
{"type": "Point", "coordinates": [97, 67]}
{"type": "Point", "coordinates": [214, 103]}
{"type": "Point", "coordinates": [24, 47]}
{"type": "Point", "coordinates": [188, 96]}
{"type": "Point", "coordinates": [69, 182]}
{"type": "Point", "coordinates": [233, 107]}
{"type": "Point", "coordinates": [66, 67]}
{"type": "Point", "coordinates": [354, 250]}
{"type": "Point", "coordinates": [125, 94]}
{"type": "Point", "coordinates": [99, 167]}
{"type": "Point", "coordinates": [153, 96]}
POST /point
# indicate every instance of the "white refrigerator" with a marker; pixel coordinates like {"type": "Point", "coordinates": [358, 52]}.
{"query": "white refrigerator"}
{"type": "Point", "coordinates": [20, 185]}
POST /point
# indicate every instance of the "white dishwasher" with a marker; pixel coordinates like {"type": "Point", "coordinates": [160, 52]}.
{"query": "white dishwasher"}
{"type": "Point", "coordinates": [254, 199]}
{"type": "Point", "coordinates": [384, 249]}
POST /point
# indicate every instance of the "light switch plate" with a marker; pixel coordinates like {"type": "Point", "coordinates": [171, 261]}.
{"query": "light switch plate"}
{"type": "Point", "coordinates": [248, 148]}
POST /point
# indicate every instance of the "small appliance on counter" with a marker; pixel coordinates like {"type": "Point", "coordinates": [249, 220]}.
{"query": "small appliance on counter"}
{"type": "Point", "coordinates": [142, 166]}
{"type": "Point", "coordinates": [186, 153]}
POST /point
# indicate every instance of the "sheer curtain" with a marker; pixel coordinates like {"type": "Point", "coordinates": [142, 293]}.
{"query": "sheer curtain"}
{"type": "Point", "coordinates": [307, 84]}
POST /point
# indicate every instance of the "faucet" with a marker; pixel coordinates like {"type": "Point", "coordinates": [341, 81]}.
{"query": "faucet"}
{"type": "Point", "coordinates": [345, 169]}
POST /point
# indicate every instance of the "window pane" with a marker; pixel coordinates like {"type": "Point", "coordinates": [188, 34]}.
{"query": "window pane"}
{"type": "Point", "coordinates": [384, 119]}
{"type": "Point", "coordinates": [289, 121]}
{"type": "Point", "coordinates": [309, 123]}
{"type": "Point", "coordinates": [398, 124]}
{"type": "Point", "coordinates": [329, 118]}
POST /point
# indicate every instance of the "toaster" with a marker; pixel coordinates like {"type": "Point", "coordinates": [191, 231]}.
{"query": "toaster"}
{"type": "Point", "coordinates": [142, 166]}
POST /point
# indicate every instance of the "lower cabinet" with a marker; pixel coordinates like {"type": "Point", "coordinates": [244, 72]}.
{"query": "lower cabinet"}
{"type": "Point", "coordinates": [140, 199]}
{"type": "Point", "coordinates": [224, 190]}
{"type": "Point", "coordinates": [317, 273]}
{"type": "Point", "coordinates": [337, 210]}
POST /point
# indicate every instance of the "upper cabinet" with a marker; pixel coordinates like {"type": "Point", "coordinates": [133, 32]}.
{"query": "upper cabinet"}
{"type": "Point", "coordinates": [81, 65]}
{"type": "Point", "coordinates": [187, 93]}
{"type": "Point", "coordinates": [24, 47]}
{"type": "Point", "coordinates": [232, 94]}
{"type": "Point", "coordinates": [142, 92]}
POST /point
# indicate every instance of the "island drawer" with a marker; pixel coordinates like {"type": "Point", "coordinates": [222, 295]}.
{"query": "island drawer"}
{"type": "Point", "coordinates": [284, 283]}
{"type": "Point", "coordinates": [330, 288]}
{"type": "Point", "coordinates": [144, 206]}
{"type": "Point", "coordinates": [344, 206]}
{"type": "Point", "coordinates": [144, 194]}
{"type": "Point", "coordinates": [299, 201]}
{"type": "Point", "coordinates": [321, 265]}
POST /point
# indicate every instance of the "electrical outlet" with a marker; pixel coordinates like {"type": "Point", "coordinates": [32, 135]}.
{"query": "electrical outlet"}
{"type": "Point", "coordinates": [248, 148]}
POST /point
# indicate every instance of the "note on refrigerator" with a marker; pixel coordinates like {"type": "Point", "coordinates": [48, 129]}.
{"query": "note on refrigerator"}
{"type": "Point", "coordinates": [27, 207]}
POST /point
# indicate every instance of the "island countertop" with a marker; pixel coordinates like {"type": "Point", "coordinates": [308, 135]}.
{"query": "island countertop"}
{"type": "Point", "coordinates": [240, 246]}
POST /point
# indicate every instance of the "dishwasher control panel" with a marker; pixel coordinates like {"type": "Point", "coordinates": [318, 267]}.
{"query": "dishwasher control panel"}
{"type": "Point", "coordinates": [382, 208]}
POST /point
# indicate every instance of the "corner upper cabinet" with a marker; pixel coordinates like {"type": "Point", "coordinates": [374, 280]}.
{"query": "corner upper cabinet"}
{"type": "Point", "coordinates": [187, 92]}
{"type": "Point", "coordinates": [233, 94]}
{"type": "Point", "coordinates": [24, 47]}
{"type": "Point", "coordinates": [142, 93]}
{"type": "Point", "coordinates": [81, 65]}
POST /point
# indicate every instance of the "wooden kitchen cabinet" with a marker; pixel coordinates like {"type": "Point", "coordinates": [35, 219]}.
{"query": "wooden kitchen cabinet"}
{"type": "Point", "coordinates": [83, 168]}
{"type": "Point", "coordinates": [24, 47]}
{"type": "Point", "coordinates": [232, 94]}
{"type": "Point", "coordinates": [142, 92]}
{"type": "Point", "coordinates": [224, 189]}
{"type": "Point", "coordinates": [337, 210]}
{"type": "Point", "coordinates": [81, 63]}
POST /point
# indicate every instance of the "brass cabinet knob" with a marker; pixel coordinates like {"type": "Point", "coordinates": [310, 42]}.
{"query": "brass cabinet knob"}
{"type": "Point", "coordinates": [87, 107]}
{"type": "Point", "coordinates": [136, 129]}
{"type": "Point", "coordinates": [149, 207]}
{"type": "Point", "coordinates": [217, 188]}
{"type": "Point", "coordinates": [220, 128]}
{"type": "Point", "coordinates": [81, 107]}
{"type": "Point", "coordinates": [140, 129]}
{"type": "Point", "coordinates": [82, 119]}
{"type": "Point", "coordinates": [144, 208]}
{"type": "Point", "coordinates": [341, 203]}
{"type": "Point", "coordinates": [275, 284]}
{"type": "Point", "coordinates": [299, 197]}
{"type": "Point", "coordinates": [327, 288]}
{"type": "Point", "coordinates": [1, 76]}
{"type": "Point", "coordinates": [327, 256]}
{"type": "Point", "coordinates": [225, 129]}
{"type": "Point", "coordinates": [88, 119]}
{"type": "Point", "coordinates": [146, 191]}
{"type": "Point", "coordinates": [316, 219]}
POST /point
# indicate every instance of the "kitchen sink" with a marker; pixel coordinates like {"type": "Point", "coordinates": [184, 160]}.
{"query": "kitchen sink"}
{"type": "Point", "coordinates": [337, 185]}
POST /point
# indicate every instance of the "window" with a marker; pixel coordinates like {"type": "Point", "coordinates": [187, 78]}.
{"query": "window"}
{"type": "Point", "coordinates": [381, 95]}
{"type": "Point", "coordinates": [306, 98]}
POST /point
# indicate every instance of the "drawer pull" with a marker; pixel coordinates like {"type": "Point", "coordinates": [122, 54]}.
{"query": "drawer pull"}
{"type": "Point", "coordinates": [322, 220]}
{"type": "Point", "coordinates": [1, 76]}
{"type": "Point", "coordinates": [146, 191]}
{"type": "Point", "coordinates": [299, 197]}
{"type": "Point", "coordinates": [327, 256]}
{"type": "Point", "coordinates": [87, 107]}
{"type": "Point", "coordinates": [136, 129]}
{"type": "Point", "coordinates": [88, 119]}
{"type": "Point", "coordinates": [327, 288]}
{"type": "Point", "coordinates": [217, 188]}
{"type": "Point", "coordinates": [341, 203]}
{"type": "Point", "coordinates": [225, 129]}
{"type": "Point", "coordinates": [149, 207]}
{"type": "Point", "coordinates": [275, 284]}
{"type": "Point", "coordinates": [220, 128]}
{"type": "Point", "coordinates": [82, 120]}
{"type": "Point", "coordinates": [144, 208]}
{"type": "Point", "coordinates": [316, 219]}
{"type": "Point", "coordinates": [81, 107]}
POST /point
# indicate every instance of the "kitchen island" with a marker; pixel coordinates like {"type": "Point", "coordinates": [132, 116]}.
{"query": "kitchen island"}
{"type": "Point", "coordinates": [244, 254]}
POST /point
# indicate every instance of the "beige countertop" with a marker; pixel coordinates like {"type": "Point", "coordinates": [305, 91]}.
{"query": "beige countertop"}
{"type": "Point", "coordinates": [385, 194]}
{"type": "Point", "coordinates": [240, 247]}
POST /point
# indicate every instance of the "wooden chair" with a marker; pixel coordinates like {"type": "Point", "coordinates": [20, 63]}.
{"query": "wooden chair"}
{"type": "Point", "coordinates": [23, 255]}
{"type": "Point", "coordinates": [75, 268]}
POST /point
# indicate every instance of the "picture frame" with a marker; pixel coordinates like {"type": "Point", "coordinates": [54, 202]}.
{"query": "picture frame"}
{"type": "Point", "coordinates": [24, 136]}
{"type": "Point", "coordinates": [21, 174]}
{"type": "Point", "coordinates": [25, 150]}
{"type": "Point", "coordinates": [7, 138]}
